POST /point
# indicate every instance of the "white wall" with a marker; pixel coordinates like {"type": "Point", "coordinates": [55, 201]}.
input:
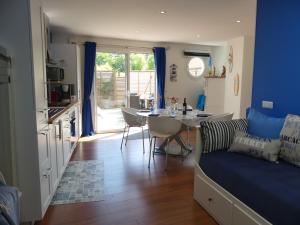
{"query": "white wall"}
{"type": "Point", "coordinates": [186, 86]}
{"type": "Point", "coordinates": [219, 58]}
{"type": "Point", "coordinates": [247, 79]}
{"type": "Point", "coordinates": [232, 102]}
{"type": "Point", "coordinates": [243, 54]}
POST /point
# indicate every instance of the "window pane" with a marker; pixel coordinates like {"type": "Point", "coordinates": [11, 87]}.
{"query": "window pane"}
{"type": "Point", "coordinates": [196, 66]}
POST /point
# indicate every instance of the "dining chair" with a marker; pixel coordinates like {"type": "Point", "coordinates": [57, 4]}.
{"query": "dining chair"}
{"type": "Point", "coordinates": [132, 120]}
{"type": "Point", "coordinates": [201, 102]}
{"type": "Point", "coordinates": [162, 127]}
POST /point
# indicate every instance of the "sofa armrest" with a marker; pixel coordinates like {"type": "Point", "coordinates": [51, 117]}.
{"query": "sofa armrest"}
{"type": "Point", "coordinates": [2, 180]}
{"type": "Point", "coordinates": [199, 145]}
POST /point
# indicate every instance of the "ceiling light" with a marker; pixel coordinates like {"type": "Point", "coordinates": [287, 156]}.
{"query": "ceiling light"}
{"type": "Point", "coordinates": [163, 12]}
{"type": "Point", "coordinates": [237, 21]}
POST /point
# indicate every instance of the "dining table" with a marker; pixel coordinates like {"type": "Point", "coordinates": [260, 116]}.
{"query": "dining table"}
{"type": "Point", "coordinates": [190, 120]}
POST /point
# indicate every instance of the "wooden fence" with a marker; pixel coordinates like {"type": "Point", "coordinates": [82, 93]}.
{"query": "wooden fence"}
{"type": "Point", "coordinates": [111, 87]}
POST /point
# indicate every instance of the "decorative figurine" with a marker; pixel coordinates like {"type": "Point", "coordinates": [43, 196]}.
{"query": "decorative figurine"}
{"type": "Point", "coordinates": [173, 73]}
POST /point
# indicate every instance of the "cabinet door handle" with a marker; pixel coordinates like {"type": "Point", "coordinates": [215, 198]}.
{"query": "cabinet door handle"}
{"type": "Point", "coordinates": [42, 110]}
{"type": "Point", "coordinates": [58, 130]}
{"type": "Point", "coordinates": [45, 176]}
{"type": "Point", "coordinates": [44, 131]}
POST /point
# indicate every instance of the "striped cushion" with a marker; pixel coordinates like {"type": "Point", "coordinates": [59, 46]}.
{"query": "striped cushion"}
{"type": "Point", "coordinates": [218, 135]}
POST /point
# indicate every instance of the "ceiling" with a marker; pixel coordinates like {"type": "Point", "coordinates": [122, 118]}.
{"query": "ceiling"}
{"type": "Point", "coordinates": [185, 21]}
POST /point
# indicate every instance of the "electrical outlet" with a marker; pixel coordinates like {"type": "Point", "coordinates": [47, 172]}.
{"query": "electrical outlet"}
{"type": "Point", "coordinates": [267, 104]}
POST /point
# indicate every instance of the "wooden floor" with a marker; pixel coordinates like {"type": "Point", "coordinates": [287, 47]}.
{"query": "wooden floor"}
{"type": "Point", "coordinates": [134, 195]}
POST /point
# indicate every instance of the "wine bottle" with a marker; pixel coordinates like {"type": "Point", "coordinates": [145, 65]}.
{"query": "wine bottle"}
{"type": "Point", "coordinates": [184, 109]}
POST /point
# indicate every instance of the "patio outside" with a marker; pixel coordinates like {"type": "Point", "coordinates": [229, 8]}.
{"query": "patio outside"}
{"type": "Point", "coordinates": [111, 86]}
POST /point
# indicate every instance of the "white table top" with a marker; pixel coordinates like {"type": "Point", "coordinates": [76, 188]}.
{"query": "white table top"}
{"type": "Point", "coordinates": [190, 119]}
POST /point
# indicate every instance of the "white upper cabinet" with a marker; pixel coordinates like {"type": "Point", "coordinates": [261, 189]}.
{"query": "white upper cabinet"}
{"type": "Point", "coordinates": [39, 58]}
{"type": "Point", "coordinates": [214, 91]}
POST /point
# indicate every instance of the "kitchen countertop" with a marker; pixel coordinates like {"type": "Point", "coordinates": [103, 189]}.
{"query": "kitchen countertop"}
{"type": "Point", "coordinates": [66, 108]}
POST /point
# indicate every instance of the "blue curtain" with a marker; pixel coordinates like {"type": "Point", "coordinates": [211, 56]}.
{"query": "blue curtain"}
{"type": "Point", "coordinates": [89, 67]}
{"type": "Point", "coordinates": [160, 65]}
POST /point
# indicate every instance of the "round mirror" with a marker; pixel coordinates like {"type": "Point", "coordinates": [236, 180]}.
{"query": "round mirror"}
{"type": "Point", "coordinates": [196, 66]}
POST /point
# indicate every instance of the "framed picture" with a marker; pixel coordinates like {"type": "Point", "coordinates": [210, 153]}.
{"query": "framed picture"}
{"type": "Point", "coordinates": [173, 73]}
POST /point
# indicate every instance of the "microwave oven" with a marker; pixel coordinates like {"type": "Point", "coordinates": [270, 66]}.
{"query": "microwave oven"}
{"type": "Point", "coordinates": [55, 73]}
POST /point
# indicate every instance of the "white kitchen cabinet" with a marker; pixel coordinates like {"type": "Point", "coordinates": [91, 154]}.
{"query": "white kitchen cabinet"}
{"type": "Point", "coordinates": [31, 165]}
{"type": "Point", "coordinates": [214, 90]}
{"type": "Point", "coordinates": [62, 132]}
{"type": "Point", "coordinates": [46, 190]}
{"type": "Point", "coordinates": [55, 176]}
{"type": "Point", "coordinates": [66, 138]}
{"type": "Point", "coordinates": [39, 59]}
{"type": "Point", "coordinates": [22, 24]}
{"type": "Point", "coordinates": [44, 148]}
{"type": "Point", "coordinates": [59, 147]}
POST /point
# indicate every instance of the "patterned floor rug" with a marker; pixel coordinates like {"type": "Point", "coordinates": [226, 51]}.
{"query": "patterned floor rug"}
{"type": "Point", "coordinates": [82, 181]}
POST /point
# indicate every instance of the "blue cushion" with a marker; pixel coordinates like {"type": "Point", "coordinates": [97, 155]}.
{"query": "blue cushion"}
{"type": "Point", "coordinates": [264, 126]}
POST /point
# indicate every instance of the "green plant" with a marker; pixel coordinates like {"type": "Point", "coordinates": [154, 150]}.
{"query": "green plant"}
{"type": "Point", "coordinates": [150, 62]}
{"type": "Point", "coordinates": [137, 62]}
{"type": "Point", "coordinates": [110, 61]}
{"type": "Point", "coordinates": [105, 89]}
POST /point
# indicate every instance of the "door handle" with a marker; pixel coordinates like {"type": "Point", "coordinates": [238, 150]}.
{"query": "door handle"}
{"type": "Point", "coordinates": [42, 110]}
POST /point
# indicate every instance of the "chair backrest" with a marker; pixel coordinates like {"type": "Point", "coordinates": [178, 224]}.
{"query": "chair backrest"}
{"type": "Point", "coordinates": [221, 117]}
{"type": "Point", "coordinates": [132, 119]}
{"type": "Point", "coordinates": [134, 101]}
{"type": "Point", "coordinates": [164, 125]}
{"type": "Point", "coordinates": [201, 102]}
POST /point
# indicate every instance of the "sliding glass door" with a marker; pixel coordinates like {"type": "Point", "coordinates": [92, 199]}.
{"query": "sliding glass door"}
{"type": "Point", "coordinates": [122, 80]}
{"type": "Point", "coordinates": [110, 91]}
{"type": "Point", "coordinates": [142, 84]}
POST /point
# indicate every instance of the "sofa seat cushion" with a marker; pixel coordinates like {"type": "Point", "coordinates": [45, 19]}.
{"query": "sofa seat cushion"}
{"type": "Point", "coordinates": [272, 190]}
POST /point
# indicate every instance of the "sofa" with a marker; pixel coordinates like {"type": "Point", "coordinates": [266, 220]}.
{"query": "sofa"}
{"type": "Point", "coordinates": [238, 189]}
{"type": "Point", "coordinates": [9, 204]}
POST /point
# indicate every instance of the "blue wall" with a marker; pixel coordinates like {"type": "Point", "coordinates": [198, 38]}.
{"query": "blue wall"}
{"type": "Point", "coordinates": [277, 57]}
